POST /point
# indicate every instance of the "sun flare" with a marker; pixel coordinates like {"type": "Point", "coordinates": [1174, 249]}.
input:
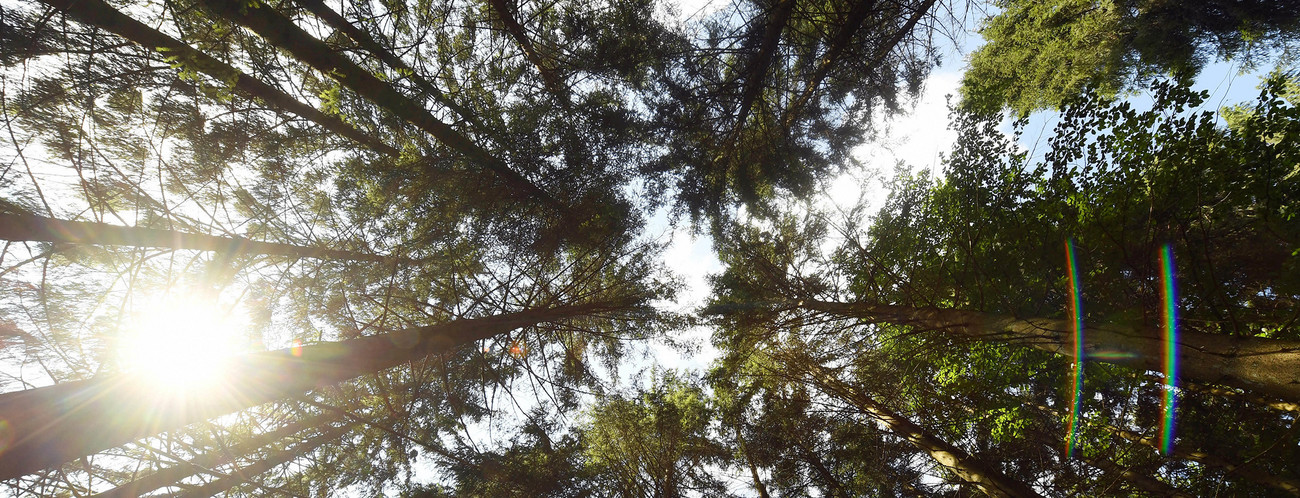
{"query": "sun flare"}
{"type": "Point", "coordinates": [179, 343]}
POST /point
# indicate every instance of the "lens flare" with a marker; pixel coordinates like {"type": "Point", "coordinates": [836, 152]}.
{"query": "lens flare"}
{"type": "Point", "coordinates": [1170, 298]}
{"type": "Point", "coordinates": [179, 342]}
{"type": "Point", "coordinates": [1076, 320]}
{"type": "Point", "coordinates": [518, 349]}
{"type": "Point", "coordinates": [1112, 355]}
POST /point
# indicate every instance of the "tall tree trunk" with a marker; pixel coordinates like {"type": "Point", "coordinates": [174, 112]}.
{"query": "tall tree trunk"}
{"type": "Point", "coordinates": [552, 81]}
{"type": "Point", "coordinates": [1139, 480]}
{"type": "Point", "coordinates": [100, 14]}
{"type": "Point", "coordinates": [276, 459]}
{"type": "Point", "coordinates": [833, 487]}
{"type": "Point", "coordinates": [1114, 470]}
{"type": "Point", "coordinates": [1265, 366]}
{"type": "Point", "coordinates": [968, 468]}
{"type": "Point", "coordinates": [1244, 396]}
{"type": "Point", "coordinates": [370, 44]}
{"type": "Point", "coordinates": [852, 23]}
{"type": "Point", "coordinates": [38, 228]}
{"type": "Point", "coordinates": [756, 69]}
{"type": "Point", "coordinates": [1283, 483]}
{"type": "Point", "coordinates": [281, 32]}
{"type": "Point", "coordinates": [857, 15]}
{"type": "Point", "coordinates": [749, 460]}
{"type": "Point", "coordinates": [208, 461]}
{"type": "Point", "coordinates": [49, 426]}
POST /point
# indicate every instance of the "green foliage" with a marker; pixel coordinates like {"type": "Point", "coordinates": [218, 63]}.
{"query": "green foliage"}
{"type": "Point", "coordinates": [614, 114]}
{"type": "Point", "coordinates": [1119, 182]}
{"type": "Point", "coordinates": [1041, 54]}
{"type": "Point", "coordinates": [768, 109]}
{"type": "Point", "coordinates": [656, 443]}
{"type": "Point", "coordinates": [989, 235]}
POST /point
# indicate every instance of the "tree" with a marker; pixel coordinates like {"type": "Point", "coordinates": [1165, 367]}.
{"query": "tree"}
{"type": "Point", "coordinates": [979, 474]}
{"type": "Point", "coordinates": [175, 474]}
{"type": "Point", "coordinates": [271, 461]}
{"type": "Point", "coordinates": [768, 364]}
{"type": "Point", "coordinates": [951, 255]}
{"type": "Point", "coordinates": [25, 227]}
{"type": "Point", "coordinates": [508, 155]}
{"type": "Point", "coordinates": [281, 32]}
{"type": "Point", "coordinates": [656, 444]}
{"type": "Point", "coordinates": [98, 13]}
{"type": "Point", "coordinates": [772, 105]}
{"type": "Point", "coordinates": [45, 434]}
{"type": "Point", "coordinates": [1042, 54]}
{"type": "Point", "coordinates": [966, 389]}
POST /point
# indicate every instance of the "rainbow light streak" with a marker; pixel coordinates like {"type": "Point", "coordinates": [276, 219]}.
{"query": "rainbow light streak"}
{"type": "Point", "coordinates": [1170, 298]}
{"type": "Point", "coordinates": [1076, 318]}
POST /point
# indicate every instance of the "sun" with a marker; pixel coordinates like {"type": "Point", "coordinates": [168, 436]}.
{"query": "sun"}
{"type": "Point", "coordinates": [179, 343]}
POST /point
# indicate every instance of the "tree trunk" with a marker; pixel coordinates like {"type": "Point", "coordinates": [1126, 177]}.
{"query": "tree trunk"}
{"type": "Point", "coordinates": [857, 15]}
{"type": "Point", "coordinates": [272, 461]}
{"type": "Point", "coordinates": [49, 426]}
{"type": "Point", "coordinates": [1265, 366]}
{"type": "Point", "coordinates": [1139, 480]}
{"type": "Point", "coordinates": [208, 461]}
{"type": "Point", "coordinates": [363, 38]}
{"type": "Point", "coordinates": [283, 33]}
{"type": "Point", "coordinates": [852, 23]}
{"type": "Point", "coordinates": [549, 78]}
{"type": "Point", "coordinates": [17, 227]}
{"type": "Point", "coordinates": [753, 469]}
{"type": "Point", "coordinates": [1245, 396]}
{"type": "Point", "coordinates": [969, 469]}
{"type": "Point", "coordinates": [1287, 484]}
{"type": "Point", "coordinates": [756, 69]}
{"type": "Point", "coordinates": [100, 14]}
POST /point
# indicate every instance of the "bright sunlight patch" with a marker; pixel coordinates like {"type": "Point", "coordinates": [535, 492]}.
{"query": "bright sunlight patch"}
{"type": "Point", "coordinates": [180, 342]}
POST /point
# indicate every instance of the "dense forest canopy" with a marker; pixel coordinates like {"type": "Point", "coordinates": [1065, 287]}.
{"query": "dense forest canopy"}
{"type": "Point", "coordinates": [313, 248]}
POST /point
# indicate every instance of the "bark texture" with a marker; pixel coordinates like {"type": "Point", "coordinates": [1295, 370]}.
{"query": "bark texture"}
{"type": "Point", "coordinates": [209, 461]}
{"type": "Point", "coordinates": [281, 32]}
{"type": "Point", "coordinates": [38, 228]}
{"type": "Point", "coordinates": [1266, 366]}
{"type": "Point", "coordinates": [969, 469]}
{"type": "Point", "coordinates": [52, 425]}
{"type": "Point", "coordinates": [100, 14]}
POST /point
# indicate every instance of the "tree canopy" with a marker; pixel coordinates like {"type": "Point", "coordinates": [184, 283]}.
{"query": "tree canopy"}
{"type": "Point", "coordinates": [1040, 55]}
